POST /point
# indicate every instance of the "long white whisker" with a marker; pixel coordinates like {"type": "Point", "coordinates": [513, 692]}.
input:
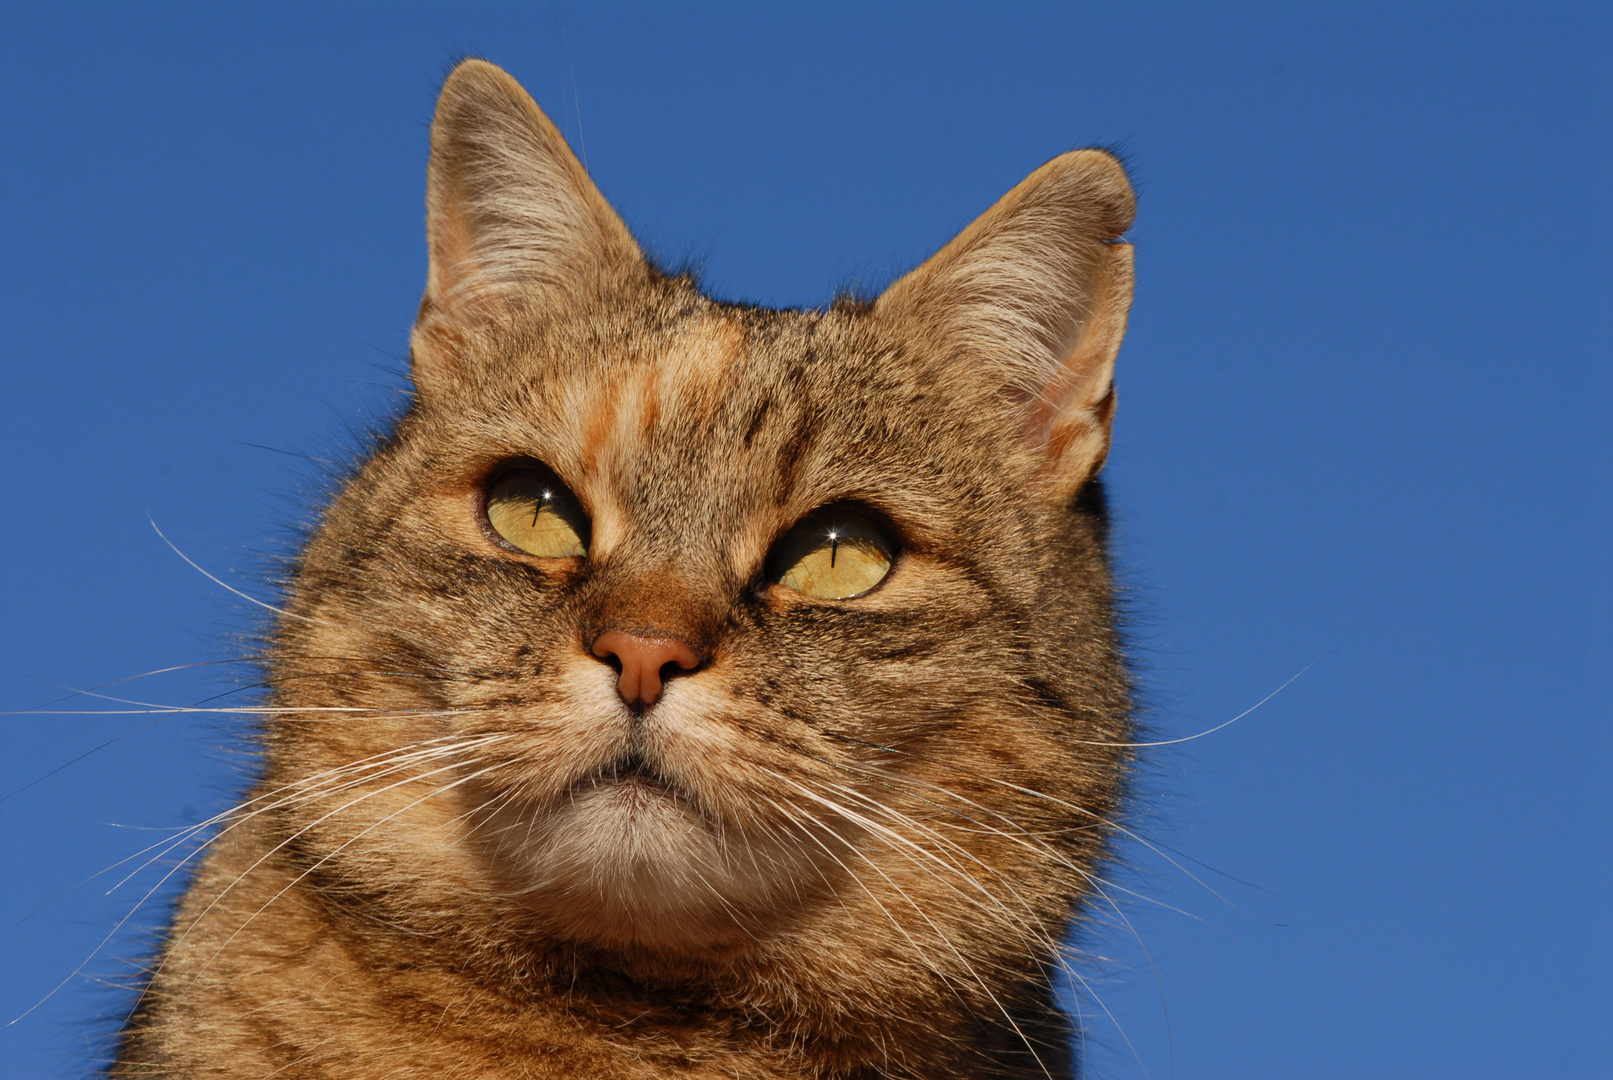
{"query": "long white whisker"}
{"type": "Point", "coordinates": [231, 588]}
{"type": "Point", "coordinates": [307, 790]}
{"type": "Point", "coordinates": [1018, 836]}
{"type": "Point", "coordinates": [323, 859]}
{"type": "Point", "coordinates": [1056, 801]}
{"type": "Point", "coordinates": [929, 856]}
{"type": "Point", "coordinates": [117, 927]}
{"type": "Point", "coordinates": [939, 933]}
{"type": "Point", "coordinates": [1054, 948]}
{"type": "Point", "coordinates": [1224, 724]}
{"type": "Point", "coordinates": [415, 778]}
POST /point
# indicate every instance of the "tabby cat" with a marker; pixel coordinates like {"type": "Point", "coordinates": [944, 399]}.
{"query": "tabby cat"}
{"type": "Point", "coordinates": [684, 688]}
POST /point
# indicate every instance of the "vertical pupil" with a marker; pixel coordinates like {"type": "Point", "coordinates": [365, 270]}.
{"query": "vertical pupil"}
{"type": "Point", "coordinates": [537, 507]}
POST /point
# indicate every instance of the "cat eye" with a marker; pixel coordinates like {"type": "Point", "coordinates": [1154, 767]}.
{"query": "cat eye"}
{"type": "Point", "coordinates": [834, 553]}
{"type": "Point", "coordinates": [531, 510]}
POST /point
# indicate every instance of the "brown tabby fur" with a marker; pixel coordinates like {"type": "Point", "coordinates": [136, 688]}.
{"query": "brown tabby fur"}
{"type": "Point", "coordinates": [869, 820]}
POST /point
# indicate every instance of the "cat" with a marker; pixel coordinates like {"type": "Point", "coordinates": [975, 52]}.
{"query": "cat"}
{"type": "Point", "coordinates": [684, 688]}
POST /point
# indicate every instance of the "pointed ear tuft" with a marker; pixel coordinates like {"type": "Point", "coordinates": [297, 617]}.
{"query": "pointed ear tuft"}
{"type": "Point", "coordinates": [1031, 301]}
{"type": "Point", "coordinates": [511, 216]}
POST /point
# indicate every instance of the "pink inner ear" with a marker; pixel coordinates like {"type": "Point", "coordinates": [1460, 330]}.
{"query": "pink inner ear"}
{"type": "Point", "coordinates": [1082, 387]}
{"type": "Point", "coordinates": [1071, 418]}
{"type": "Point", "coordinates": [1062, 401]}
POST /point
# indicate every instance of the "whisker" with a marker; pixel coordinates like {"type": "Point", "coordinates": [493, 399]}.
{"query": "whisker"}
{"type": "Point", "coordinates": [1224, 724]}
{"type": "Point", "coordinates": [1054, 947]}
{"type": "Point", "coordinates": [383, 758]}
{"type": "Point", "coordinates": [190, 831]}
{"type": "Point", "coordinates": [267, 606]}
{"type": "Point", "coordinates": [147, 707]}
{"type": "Point", "coordinates": [897, 837]}
{"type": "Point", "coordinates": [328, 855]}
{"type": "Point", "coordinates": [939, 933]}
{"type": "Point", "coordinates": [1031, 792]}
{"type": "Point", "coordinates": [388, 763]}
{"type": "Point", "coordinates": [131, 678]}
{"type": "Point", "coordinates": [1018, 836]}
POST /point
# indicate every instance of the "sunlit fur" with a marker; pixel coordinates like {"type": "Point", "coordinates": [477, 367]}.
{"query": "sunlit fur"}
{"type": "Point", "coordinates": [851, 842]}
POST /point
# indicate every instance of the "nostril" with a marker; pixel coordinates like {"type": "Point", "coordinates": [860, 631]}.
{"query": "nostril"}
{"type": "Point", "coordinates": [644, 662]}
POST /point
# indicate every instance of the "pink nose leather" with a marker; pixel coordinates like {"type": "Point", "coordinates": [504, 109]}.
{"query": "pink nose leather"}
{"type": "Point", "coordinates": [642, 660]}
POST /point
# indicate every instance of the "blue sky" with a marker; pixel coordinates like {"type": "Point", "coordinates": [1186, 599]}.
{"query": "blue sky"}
{"type": "Point", "coordinates": [1362, 435]}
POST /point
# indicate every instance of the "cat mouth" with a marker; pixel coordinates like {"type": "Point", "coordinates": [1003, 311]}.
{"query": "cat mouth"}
{"type": "Point", "coordinates": [630, 770]}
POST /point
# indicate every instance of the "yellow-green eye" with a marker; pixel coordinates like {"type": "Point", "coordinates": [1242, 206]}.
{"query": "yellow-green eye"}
{"type": "Point", "coordinates": [834, 553]}
{"type": "Point", "coordinates": [533, 511]}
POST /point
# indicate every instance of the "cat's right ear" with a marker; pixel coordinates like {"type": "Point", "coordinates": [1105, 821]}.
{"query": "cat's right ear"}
{"type": "Point", "coordinates": [1030, 302]}
{"type": "Point", "coordinates": [512, 219]}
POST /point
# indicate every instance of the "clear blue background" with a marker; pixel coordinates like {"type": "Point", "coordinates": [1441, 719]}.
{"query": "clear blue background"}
{"type": "Point", "coordinates": [1363, 428]}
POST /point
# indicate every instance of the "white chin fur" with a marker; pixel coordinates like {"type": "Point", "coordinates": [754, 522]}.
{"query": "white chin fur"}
{"type": "Point", "coordinates": [624, 863]}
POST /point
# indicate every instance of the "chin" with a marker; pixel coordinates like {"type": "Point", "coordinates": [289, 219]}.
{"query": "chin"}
{"type": "Point", "coordinates": [627, 863]}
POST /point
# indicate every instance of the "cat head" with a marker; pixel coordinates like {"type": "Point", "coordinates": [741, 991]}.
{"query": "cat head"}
{"type": "Point", "coordinates": [668, 626]}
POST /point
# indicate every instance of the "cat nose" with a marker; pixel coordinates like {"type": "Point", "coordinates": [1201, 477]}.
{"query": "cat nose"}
{"type": "Point", "coordinates": [644, 662]}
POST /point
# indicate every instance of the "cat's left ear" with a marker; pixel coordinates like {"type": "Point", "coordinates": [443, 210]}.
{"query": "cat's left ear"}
{"type": "Point", "coordinates": [512, 218]}
{"type": "Point", "coordinates": [1031, 299]}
